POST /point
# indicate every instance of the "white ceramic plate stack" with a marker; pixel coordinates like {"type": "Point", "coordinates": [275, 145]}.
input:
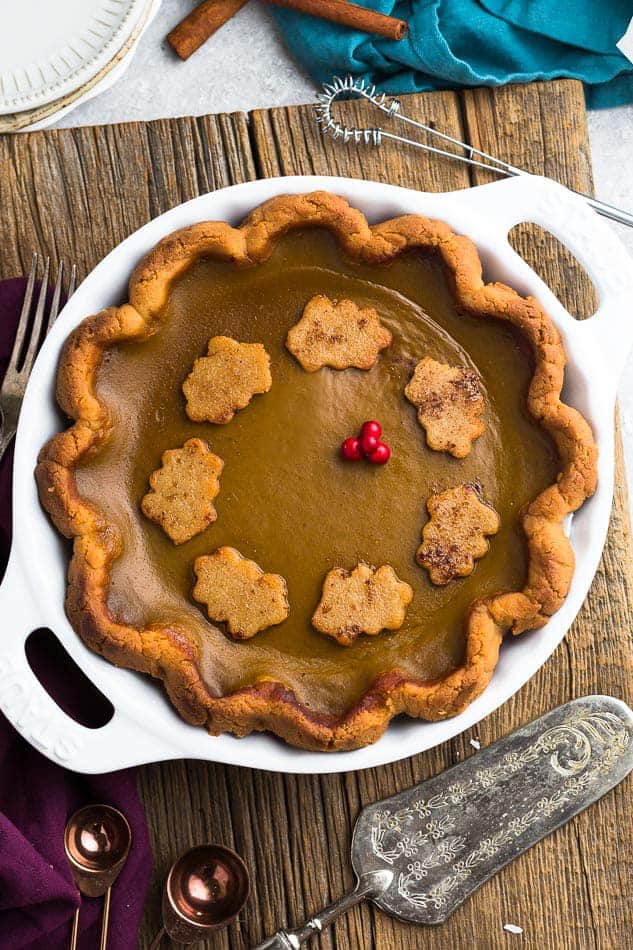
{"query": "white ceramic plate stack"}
{"type": "Point", "coordinates": [55, 55]}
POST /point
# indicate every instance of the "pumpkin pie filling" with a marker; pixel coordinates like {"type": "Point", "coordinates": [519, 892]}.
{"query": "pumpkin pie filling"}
{"type": "Point", "coordinates": [288, 500]}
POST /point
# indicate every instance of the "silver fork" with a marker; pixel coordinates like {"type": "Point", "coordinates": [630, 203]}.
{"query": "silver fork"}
{"type": "Point", "coordinates": [26, 345]}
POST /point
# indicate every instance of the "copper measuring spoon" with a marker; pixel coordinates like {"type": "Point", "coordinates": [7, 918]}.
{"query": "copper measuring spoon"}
{"type": "Point", "coordinates": [205, 890]}
{"type": "Point", "coordinates": [97, 842]}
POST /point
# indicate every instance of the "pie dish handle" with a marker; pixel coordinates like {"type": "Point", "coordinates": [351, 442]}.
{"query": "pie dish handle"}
{"type": "Point", "coordinates": [35, 714]}
{"type": "Point", "coordinates": [529, 198]}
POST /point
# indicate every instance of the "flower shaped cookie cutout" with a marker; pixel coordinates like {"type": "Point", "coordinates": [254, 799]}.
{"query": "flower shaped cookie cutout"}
{"type": "Point", "coordinates": [340, 335]}
{"type": "Point", "coordinates": [237, 592]}
{"type": "Point", "coordinates": [365, 600]}
{"type": "Point", "coordinates": [456, 534]}
{"type": "Point", "coordinates": [449, 404]}
{"type": "Point", "coordinates": [182, 490]}
{"type": "Point", "coordinates": [226, 379]}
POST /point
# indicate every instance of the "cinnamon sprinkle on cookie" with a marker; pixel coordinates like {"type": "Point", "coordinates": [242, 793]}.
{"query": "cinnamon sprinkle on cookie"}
{"type": "Point", "coordinates": [337, 334]}
{"type": "Point", "coordinates": [182, 490]}
{"type": "Point", "coordinates": [449, 403]}
{"type": "Point", "coordinates": [365, 600]}
{"type": "Point", "coordinates": [456, 534]}
{"type": "Point", "coordinates": [237, 592]}
{"type": "Point", "coordinates": [226, 379]}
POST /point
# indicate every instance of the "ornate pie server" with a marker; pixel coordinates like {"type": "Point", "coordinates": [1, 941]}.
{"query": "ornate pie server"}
{"type": "Point", "coordinates": [420, 854]}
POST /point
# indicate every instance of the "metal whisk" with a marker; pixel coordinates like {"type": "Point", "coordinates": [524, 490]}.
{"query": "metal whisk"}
{"type": "Point", "coordinates": [390, 107]}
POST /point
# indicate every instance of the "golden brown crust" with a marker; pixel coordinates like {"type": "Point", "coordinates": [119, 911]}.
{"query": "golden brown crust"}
{"type": "Point", "coordinates": [182, 490]}
{"type": "Point", "coordinates": [226, 379]}
{"type": "Point", "coordinates": [337, 334]}
{"type": "Point", "coordinates": [456, 534]}
{"type": "Point", "coordinates": [449, 403]}
{"type": "Point", "coordinates": [165, 651]}
{"type": "Point", "coordinates": [237, 592]}
{"type": "Point", "coordinates": [365, 600]}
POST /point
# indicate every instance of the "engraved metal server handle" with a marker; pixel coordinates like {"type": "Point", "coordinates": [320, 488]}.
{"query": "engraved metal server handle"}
{"type": "Point", "coordinates": [421, 853]}
{"type": "Point", "coordinates": [368, 887]}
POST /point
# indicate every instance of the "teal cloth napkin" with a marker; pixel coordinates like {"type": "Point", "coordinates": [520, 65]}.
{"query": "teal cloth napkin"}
{"type": "Point", "coordinates": [456, 43]}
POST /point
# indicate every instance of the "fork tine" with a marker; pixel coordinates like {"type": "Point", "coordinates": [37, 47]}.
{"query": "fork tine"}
{"type": "Point", "coordinates": [24, 316]}
{"type": "Point", "coordinates": [73, 281]}
{"type": "Point", "coordinates": [36, 329]}
{"type": "Point", "coordinates": [57, 293]}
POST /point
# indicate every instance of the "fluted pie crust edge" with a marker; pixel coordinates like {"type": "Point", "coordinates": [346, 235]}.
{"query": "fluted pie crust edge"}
{"type": "Point", "coordinates": [163, 650]}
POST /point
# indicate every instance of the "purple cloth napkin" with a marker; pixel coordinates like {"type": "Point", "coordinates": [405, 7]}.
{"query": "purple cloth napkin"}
{"type": "Point", "coordinates": [37, 894]}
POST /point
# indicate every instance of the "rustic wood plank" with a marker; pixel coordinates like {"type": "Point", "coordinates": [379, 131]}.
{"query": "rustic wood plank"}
{"type": "Point", "coordinates": [75, 194]}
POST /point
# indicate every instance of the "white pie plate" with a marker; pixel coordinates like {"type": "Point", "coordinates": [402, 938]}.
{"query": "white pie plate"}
{"type": "Point", "coordinates": [145, 727]}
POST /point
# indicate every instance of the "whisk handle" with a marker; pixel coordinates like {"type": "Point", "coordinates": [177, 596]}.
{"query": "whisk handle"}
{"type": "Point", "coordinates": [608, 211]}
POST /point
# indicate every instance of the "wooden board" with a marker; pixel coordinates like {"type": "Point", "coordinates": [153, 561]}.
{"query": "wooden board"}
{"type": "Point", "coordinates": [76, 193]}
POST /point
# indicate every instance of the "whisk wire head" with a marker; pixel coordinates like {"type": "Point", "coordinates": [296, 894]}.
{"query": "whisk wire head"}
{"type": "Point", "coordinates": [350, 86]}
{"type": "Point", "coordinates": [340, 88]}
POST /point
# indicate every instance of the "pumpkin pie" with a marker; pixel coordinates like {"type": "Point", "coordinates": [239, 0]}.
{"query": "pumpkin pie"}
{"type": "Point", "coordinates": [292, 511]}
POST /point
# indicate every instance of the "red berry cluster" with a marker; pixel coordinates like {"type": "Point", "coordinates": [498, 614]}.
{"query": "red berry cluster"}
{"type": "Point", "coordinates": [367, 444]}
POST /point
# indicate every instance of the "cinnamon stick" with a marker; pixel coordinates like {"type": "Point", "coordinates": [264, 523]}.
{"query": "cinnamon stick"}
{"type": "Point", "coordinates": [350, 14]}
{"type": "Point", "coordinates": [200, 24]}
{"type": "Point", "coordinates": [210, 15]}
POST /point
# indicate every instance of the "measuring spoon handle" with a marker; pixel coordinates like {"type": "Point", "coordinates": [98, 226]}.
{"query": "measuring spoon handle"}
{"type": "Point", "coordinates": [75, 931]}
{"type": "Point", "coordinates": [105, 921]}
{"type": "Point", "coordinates": [158, 939]}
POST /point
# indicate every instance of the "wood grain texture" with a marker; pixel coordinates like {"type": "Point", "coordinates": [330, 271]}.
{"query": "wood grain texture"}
{"type": "Point", "coordinates": [75, 194]}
